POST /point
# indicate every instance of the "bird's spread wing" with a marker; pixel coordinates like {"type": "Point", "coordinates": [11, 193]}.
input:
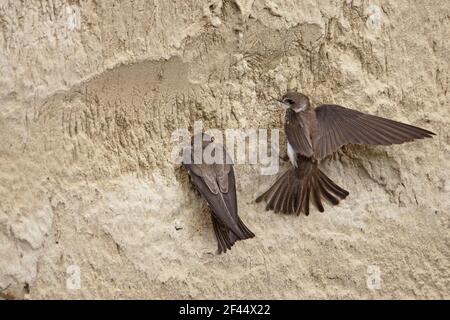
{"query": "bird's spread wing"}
{"type": "Point", "coordinates": [297, 133]}
{"type": "Point", "coordinates": [338, 126]}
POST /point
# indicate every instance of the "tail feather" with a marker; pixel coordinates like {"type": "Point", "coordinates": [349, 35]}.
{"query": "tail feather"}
{"type": "Point", "coordinates": [246, 231]}
{"type": "Point", "coordinates": [274, 197]}
{"type": "Point", "coordinates": [271, 190]}
{"type": "Point", "coordinates": [315, 188]}
{"type": "Point", "coordinates": [223, 241]}
{"type": "Point", "coordinates": [305, 200]}
{"type": "Point", "coordinates": [280, 198]}
{"type": "Point", "coordinates": [226, 237]}
{"type": "Point", "coordinates": [328, 196]}
{"type": "Point", "coordinates": [297, 187]}
{"type": "Point", "coordinates": [333, 187]}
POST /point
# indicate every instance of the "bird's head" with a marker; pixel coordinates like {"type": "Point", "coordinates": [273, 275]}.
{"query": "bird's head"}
{"type": "Point", "coordinates": [295, 101]}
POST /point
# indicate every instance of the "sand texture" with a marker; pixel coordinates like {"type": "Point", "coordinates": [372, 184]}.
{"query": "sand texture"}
{"type": "Point", "coordinates": [91, 91]}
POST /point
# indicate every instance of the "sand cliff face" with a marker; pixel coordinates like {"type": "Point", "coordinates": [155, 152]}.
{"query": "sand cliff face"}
{"type": "Point", "coordinates": [90, 93]}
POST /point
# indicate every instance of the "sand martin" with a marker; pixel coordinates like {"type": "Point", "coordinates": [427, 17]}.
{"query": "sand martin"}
{"type": "Point", "coordinates": [314, 133]}
{"type": "Point", "coordinates": [216, 183]}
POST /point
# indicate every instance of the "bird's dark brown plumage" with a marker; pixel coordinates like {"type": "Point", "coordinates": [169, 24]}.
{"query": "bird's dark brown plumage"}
{"type": "Point", "coordinates": [338, 126]}
{"type": "Point", "coordinates": [313, 134]}
{"type": "Point", "coordinates": [295, 188]}
{"type": "Point", "coordinates": [216, 183]}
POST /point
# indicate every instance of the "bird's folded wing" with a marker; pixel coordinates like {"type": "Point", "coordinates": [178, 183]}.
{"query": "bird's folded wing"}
{"type": "Point", "coordinates": [297, 134]}
{"type": "Point", "coordinates": [223, 205]}
{"type": "Point", "coordinates": [338, 126]}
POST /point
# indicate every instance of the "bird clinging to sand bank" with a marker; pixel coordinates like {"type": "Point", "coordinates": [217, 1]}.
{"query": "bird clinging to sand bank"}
{"type": "Point", "coordinates": [216, 183]}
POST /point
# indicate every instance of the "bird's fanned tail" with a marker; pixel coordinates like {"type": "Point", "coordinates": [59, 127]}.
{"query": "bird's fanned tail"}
{"type": "Point", "coordinates": [297, 187]}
